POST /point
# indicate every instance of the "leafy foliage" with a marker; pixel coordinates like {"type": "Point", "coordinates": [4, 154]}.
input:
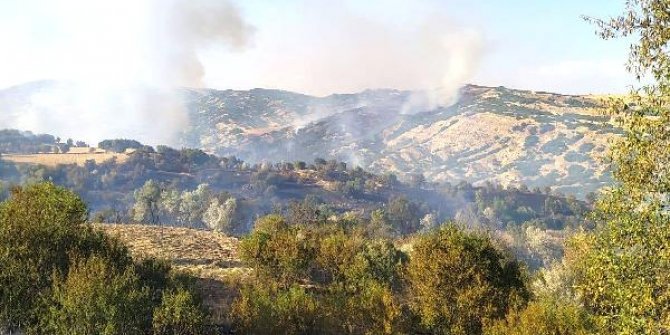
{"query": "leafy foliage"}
{"type": "Point", "coordinates": [61, 275]}
{"type": "Point", "coordinates": [460, 280]}
{"type": "Point", "coordinates": [96, 298]}
{"type": "Point", "coordinates": [355, 284]}
{"type": "Point", "coordinates": [41, 227]}
{"type": "Point", "coordinates": [621, 270]}
{"type": "Point", "coordinates": [180, 313]}
{"type": "Point", "coordinates": [545, 317]}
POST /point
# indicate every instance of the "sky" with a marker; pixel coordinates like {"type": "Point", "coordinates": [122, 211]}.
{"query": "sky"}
{"type": "Point", "coordinates": [316, 47]}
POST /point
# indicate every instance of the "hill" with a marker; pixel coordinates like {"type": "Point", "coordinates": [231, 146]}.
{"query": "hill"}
{"type": "Point", "coordinates": [191, 188]}
{"type": "Point", "coordinates": [496, 134]}
{"type": "Point", "coordinates": [493, 134]}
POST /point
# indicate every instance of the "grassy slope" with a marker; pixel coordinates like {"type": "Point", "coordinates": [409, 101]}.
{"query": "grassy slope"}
{"type": "Point", "coordinates": [210, 256]}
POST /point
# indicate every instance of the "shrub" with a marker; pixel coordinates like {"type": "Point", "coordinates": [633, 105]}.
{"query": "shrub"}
{"type": "Point", "coordinates": [459, 280]}
{"type": "Point", "coordinates": [41, 227]}
{"type": "Point", "coordinates": [180, 313]}
{"type": "Point", "coordinates": [546, 317]}
{"type": "Point", "coordinates": [42, 290]}
{"type": "Point", "coordinates": [370, 308]}
{"type": "Point", "coordinates": [278, 251]}
{"type": "Point", "coordinates": [264, 310]}
{"type": "Point", "coordinates": [97, 298]}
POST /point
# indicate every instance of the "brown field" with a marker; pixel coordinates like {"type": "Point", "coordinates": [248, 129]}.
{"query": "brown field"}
{"type": "Point", "coordinates": [202, 252]}
{"type": "Point", "coordinates": [210, 256]}
{"type": "Point", "coordinates": [50, 159]}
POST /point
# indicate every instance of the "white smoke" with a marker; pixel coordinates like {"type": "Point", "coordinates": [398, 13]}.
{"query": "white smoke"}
{"type": "Point", "coordinates": [129, 55]}
{"type": "Point", "coordinates": [336, 49]}
{"type": "Point", "coordinates": [185, 27]}
{"type": "Point", "coordinates": [121, 61]}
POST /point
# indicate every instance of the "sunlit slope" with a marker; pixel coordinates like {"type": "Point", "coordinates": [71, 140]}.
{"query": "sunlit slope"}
{"type": "Point", "coordinates": [491, 134]}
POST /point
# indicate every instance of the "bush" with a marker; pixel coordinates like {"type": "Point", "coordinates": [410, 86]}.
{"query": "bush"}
{"type": "Point", "coordinates": [379, 261]}
{"type": "Point", "coordinates": [41, 227]}
{"type": "Point", "coordinates": [59, 275]}
{"type": "Point", "coordinates": [278, 251]}
{"type": "Point", "coordinates": [264, 310]}
{"type": "Point", "coordinates": [544, 318]}
{"type": "Point", "coordinates": [370, 308]}
{"type": "Point", "coordinates": [180, 313]}
{"type": "Point", "coordinates": [459, 280]}
{"type": "Point", "coordinates": [320, 279]}
{"type": "Point", "coordinates": [97, 298]}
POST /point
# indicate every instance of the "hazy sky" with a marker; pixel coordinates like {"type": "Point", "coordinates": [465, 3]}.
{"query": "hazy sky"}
{"type": "Point", "coordinates": [316, 46]}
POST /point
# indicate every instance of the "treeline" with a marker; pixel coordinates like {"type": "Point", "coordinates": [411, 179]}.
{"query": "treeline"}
{"type": "Point", "coordinates": [15, 141]}
{"type": "Point", "coordinates": [25, 142]}
{"type": "Point", "coordinates": [258, 189]}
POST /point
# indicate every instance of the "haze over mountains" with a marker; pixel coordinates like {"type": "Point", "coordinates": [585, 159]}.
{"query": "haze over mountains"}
{"type": "Point", "coordinates": [490, 134]}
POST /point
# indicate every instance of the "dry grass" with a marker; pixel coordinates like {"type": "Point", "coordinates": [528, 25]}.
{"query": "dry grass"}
{"type": "Point", "coordinates": [65, 158]}
{"type": "Point", "coordinates": [209, 256]}
{"type": "Point", "coordinates": [204, 253]}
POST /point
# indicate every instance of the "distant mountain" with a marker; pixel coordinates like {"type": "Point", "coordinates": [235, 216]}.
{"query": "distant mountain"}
{"type": "Point", "coordinates": [490, 134]}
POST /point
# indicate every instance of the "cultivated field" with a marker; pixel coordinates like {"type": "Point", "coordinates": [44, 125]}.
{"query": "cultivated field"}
{"type": "Point", "coordinates": [50, 159]}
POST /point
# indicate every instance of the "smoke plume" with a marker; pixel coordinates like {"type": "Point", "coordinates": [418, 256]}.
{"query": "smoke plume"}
{"type": "Point", "coordinates": [185, 27]}
{"type": "Point", "coordinates": [119, 62]}
{"type": "Point", "coordinates": [343, 50]}
{"type": "Point", "coordinates": [127, 56]}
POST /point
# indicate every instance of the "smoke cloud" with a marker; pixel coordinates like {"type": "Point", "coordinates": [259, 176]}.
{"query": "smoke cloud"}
{"type": "Point", "coordinates": [119, 63]}
{"type": "Point", "coordinates": [337, 49]}
{"type": "Point", "coordinates": [185, 27]}
{"type": "Point", "coordinates": [127, 56]}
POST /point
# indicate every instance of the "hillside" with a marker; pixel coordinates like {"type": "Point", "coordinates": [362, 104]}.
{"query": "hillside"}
{"type": "Point", "coordinates": [493, 134]}
{"type": "Point", "coordinates": [496, 134]}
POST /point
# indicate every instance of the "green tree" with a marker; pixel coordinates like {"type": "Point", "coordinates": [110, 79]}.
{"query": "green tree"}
{"type": "Point", "coordinates": [459, 281]}
{"type": "Point", "coordinates": [219, 216]}
{"type": "Point", "coordinates": [147, 201]}
{"type": "Point", "coordinates": [623, 268]}
{"type": "Point", "coordinates": [41, 227]}
{"type": "Point", "coordinates": [60, 276]}
{"type": "Point", "coordinates": [403, 215]}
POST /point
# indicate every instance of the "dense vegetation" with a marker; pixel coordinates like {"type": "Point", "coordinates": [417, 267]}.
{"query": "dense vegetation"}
{"type": "Point", "coordinates": [621, 269]}
{"type": "Point", "coordinates": [334, 278]}
{"type": "Point", "coordinates": [190, 188]}
{"type": "Point", "coordinates": [61, 276]}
